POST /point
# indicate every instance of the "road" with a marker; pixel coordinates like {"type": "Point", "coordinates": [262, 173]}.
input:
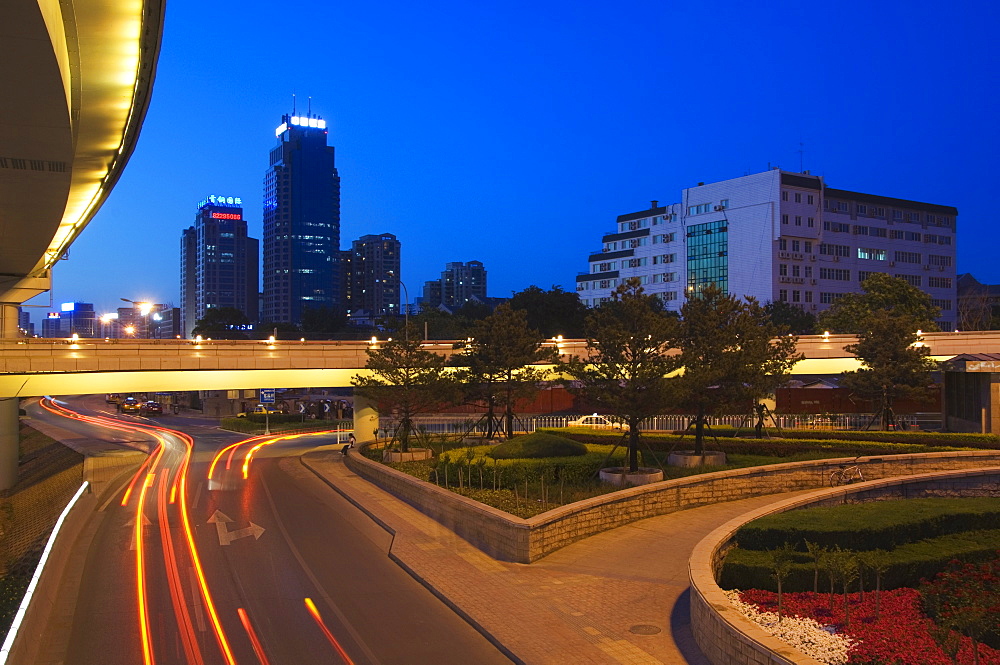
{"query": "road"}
{"type": "Point", "coordinates": [272, 568]}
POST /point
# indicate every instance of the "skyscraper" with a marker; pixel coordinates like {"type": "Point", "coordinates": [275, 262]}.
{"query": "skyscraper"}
{"type": "Point", "coordinates": [301, 222]}
{"type": "Point", "coordinates": [373, 276]}
{"type": "Point", "coordinates": [218, 262]}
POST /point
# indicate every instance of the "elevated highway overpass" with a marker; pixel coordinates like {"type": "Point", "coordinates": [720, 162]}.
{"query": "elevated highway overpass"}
{"type": "Point", "coordinates": [34, 367]}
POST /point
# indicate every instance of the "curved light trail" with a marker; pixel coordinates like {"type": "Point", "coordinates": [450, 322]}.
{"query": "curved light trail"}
{"type": "Point", "coordinates": [174, 449]}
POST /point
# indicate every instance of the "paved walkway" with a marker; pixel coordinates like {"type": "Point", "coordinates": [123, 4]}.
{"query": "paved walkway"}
{"type": "Point", "coordinates": [616, 597]}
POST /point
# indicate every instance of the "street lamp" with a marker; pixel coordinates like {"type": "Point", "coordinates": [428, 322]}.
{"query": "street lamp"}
{"type": "Point", "coordinates": [144, 309]}
{"type": "Point", "coordinates": [406, 307]}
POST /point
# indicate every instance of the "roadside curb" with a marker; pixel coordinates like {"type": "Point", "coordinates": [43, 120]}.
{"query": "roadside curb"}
{"type": "Point", "coordinates": [399, 561]}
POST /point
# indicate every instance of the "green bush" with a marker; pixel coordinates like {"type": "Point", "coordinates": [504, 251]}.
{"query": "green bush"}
{"type": "Point", "coordinates": [868, 526]}
{"type": "Point", "coordinates": [908, 564]}
{"type": "Point", "coordinates": [537, 445]}
{"type": "Point", "coordinates": [987, 441]}
{"type": "Point", "coordinates": [776, 447]}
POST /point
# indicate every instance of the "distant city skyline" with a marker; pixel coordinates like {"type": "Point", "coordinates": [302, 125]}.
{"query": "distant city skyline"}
{"type": "Point", "coordinates": [515, 135]}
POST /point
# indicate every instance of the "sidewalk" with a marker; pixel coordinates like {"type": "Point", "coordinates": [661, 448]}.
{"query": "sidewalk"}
{"type": "Point", "coordinates": [616, 597]}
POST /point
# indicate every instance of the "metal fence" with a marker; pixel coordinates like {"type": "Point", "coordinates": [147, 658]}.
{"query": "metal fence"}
{"type": "Point", "coordinates": [669, 423]}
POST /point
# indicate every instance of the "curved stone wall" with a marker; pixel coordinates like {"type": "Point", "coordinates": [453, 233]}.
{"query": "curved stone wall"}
{"type": "Point", "coordinates": [728, 638]}
{"type": "Point", "coordinates": [510, 538]}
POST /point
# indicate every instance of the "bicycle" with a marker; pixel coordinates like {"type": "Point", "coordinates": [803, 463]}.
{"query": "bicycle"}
{"type": "Point", "coordinates": [846, 475]}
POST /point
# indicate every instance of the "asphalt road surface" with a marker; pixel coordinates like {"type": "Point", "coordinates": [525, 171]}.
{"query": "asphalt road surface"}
{"type": "Point", "coordinates": [272, 568]}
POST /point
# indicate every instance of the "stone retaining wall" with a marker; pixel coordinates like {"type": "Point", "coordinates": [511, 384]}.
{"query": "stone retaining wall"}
{"type": "Point", "coordinates": [510, 538]}
{"type": "Point", "coordinates": [725, 636]}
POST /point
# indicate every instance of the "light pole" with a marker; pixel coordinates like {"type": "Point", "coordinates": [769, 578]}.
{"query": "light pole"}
{"type": "Point", "coordinates": [406, 307]}
{"type": "Point", "coordinates": [144, 309]}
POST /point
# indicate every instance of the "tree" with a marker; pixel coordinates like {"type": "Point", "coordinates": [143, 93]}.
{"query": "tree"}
{"type": "Point", "coordinates": [883, 297]}
{"type": "Point", "coordinates": [498, 360]}
{"type": "Point", "coordinates": [406, 380]}
{"type": "Point", "coordinates": [781, 560]}
{"type": "Point", "coordinates": [438, 324]}
{"type": "Point", "coordinates": [223, 323]}
{"type": "Point", "coordinates": [893, 364]}
{"type": "Point", "coordinates": [732, 355]}
{"type": "Point", "coordinates": [628, 338]}
{"type": "Point", "coordinates": [553, 312]}
{"type": "Point", "coordinates": [794, 319]}
{"type": "Point", "coordinates": [966, 599]}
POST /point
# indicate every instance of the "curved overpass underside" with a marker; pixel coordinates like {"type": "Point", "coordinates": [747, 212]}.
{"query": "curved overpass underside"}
{"type": "Point", "coordinates": [76, 78]}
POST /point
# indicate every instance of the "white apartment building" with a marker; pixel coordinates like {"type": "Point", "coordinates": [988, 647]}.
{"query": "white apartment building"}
{"type": "Point", "coordinates": [778, 235]}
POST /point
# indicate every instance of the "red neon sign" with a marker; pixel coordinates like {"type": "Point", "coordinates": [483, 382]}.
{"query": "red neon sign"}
{"type": "Point", "coordinates": [226, 215]}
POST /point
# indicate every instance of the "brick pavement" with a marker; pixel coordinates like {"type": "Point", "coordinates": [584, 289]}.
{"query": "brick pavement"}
{"type": "Point", "coordinates": [619, 597]}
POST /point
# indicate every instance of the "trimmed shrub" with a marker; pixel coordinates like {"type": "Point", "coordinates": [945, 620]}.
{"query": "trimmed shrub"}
{"type": "Point", "coordinates": [968, 440]}
{"type": "Point", "coordinates": [537, 445]}
{"type": "Point", "coordinates": [908, 564]}
{"type": "Point", "coordinates": [867, 526]}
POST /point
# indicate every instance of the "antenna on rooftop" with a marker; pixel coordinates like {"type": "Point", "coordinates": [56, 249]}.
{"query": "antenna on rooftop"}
{"type": "Point", "coordinates": [293, 104]}
{"type": "Point", "coordinates": [310, 108]}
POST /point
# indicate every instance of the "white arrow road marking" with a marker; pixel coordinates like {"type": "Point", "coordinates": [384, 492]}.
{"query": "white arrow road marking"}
{"type": "Point", "coordinates": [131, 525]}
{"type": "Point", "coordinates": [220, 519]}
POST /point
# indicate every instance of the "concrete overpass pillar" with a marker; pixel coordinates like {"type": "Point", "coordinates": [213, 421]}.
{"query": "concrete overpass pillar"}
{"type": "Point", "coordinates": [9, 425]}
{"type": "Point", "coordinates": [365, 419]}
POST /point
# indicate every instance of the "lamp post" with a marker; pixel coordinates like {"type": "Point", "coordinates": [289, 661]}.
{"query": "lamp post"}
{"type": "Point", "coordinates": [406, 307]}
{"type": "Point", "coordinates": [144, 309]}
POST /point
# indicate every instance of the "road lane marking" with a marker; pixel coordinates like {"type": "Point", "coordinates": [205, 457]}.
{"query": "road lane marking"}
{"type": "Point", "coordinates": [221, 520]}
{"type": "Point", "coordinates": [196, 600]}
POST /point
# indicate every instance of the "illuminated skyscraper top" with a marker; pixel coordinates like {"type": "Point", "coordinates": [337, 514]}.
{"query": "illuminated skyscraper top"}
{"type": "Point", "coordinates": [301, 222]}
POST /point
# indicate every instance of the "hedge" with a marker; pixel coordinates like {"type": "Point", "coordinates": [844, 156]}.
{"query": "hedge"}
{"type": "Point", "coordinates": [248, 426]}
{"type": "Point", "coordinates": [878, 525]}
{"type": "Point", "coordinates": [578, 470]}
{"type": "Point", "coordinates": [537, 445]}
{"type": "Point", "coordinates": [767, 447]}
{"type": "Point", "coordinates": [908, 564]}
{"type": "Point", "coordinates": [984, 441]}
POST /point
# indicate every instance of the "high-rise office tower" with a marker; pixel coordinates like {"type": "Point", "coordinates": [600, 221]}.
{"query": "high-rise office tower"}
{"type": "Point", "coordinates": [301, 222]}
{"type": "Point", "coordinates": [218, 262]}
{"type": "Point", "coordinates": [373, 275]}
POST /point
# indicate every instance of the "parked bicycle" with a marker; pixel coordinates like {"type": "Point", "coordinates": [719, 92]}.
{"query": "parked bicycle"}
{"type": "Point", "coordinates": [847, 474]}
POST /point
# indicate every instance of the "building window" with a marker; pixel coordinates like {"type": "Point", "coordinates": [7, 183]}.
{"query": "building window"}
{"type": "Point", "coordinates": [784, 196]}
{"type": "Point", "coordinates": [724, 203]}
{"type": "Point", "coordinates": [837, 274]}
{"type": "Point", "coordinates": [708, 256]}
{"type": "Point", "coordinates": [784, 219]}
{"type": "Point", "coordinates": [664, 258]}
{"type": "Point", "coordinates": [782, 244]}
{"type": "Point", "coordinates": [783, 269]}
{"type": "Point", "coordinates": [810, 200]}
{"type": "Point", "coordinates": [795, 245]}
{"type": "Point", "coordinates": [798, 220]}
{"type": "Point", "coordinates": [808, 247]}
{"type": "Point", "coordinates": [809, 271]}
{"type": "Point", "coordinates": [783, 295]}
{"type": "Point", "coordinates": [830, 298]}
{"type": "Point", "coordinates": [895, 235]}
{"type": "Point", "coordinates": [811, 222]}
{"type": "Point", "coordinates": [809, 296]}
{"type": "Point", "coordinates": [939, 282]}
{"type": "Point", "coordinates": [698, 209]}
{"type": "Point", "coordinates": [938, 260]}
{"type": "Point", "coordinates": [912, 280]}
{"type": "Point", "coordinates": [862, 210]}
{"type": "Point", "coordinates": [796, 270]}
{"type": "Point", "coordinates": [836, 227]}
{"type": "Point", "coordinates": [834, 250]}
{"type": "Point", "coordinates": [798, 197]}
{"type": "Point", "coordinates": [943, 305]}
{"type": "Point", "coordinates": [871, 254]}
{"type": "Point", "coordinates": [796, 296]}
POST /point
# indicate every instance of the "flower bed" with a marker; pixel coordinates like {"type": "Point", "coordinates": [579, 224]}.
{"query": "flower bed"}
{"type": "Point", "coordinates": [901, 635]}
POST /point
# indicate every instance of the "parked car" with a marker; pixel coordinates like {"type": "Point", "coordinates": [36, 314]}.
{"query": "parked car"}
{"type": "Point", "coordinates": [151, 408]}
{"type": "Point", "coordinates": [260, 409]}
{"type": "Point", "coordinates": [130, 405]}
{"type": "Point", "coordinates": [596, 422]}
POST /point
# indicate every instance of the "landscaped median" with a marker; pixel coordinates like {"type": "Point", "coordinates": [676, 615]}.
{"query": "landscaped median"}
{"type": "Point", "coordinates": [511, 538]}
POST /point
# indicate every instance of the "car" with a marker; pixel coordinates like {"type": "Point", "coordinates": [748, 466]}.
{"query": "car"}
{"type": "Point", "coordinates": [151, 408]}
{"type": "Point", "coordinates": [596, 421]}
{"type": "Point", "coordinates": [130, 405]}
{"type": "Point", "coordinates": [260, 409]}
{"type": "Point", "coordinates": [112, 398]}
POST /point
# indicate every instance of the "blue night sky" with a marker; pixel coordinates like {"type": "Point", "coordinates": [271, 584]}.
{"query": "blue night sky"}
{"type": "Point", "coordinates": [515, 132]}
